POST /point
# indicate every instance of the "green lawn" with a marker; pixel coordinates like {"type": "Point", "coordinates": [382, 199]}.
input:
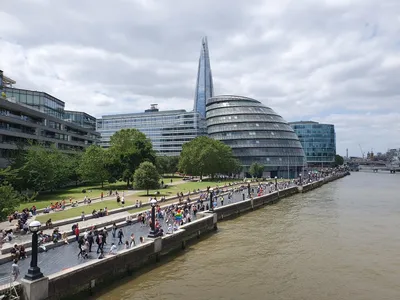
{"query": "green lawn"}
{"type": "Point", "coordinates": [76, 211]}
{"type": "Point", "coordinates": [129, 200]}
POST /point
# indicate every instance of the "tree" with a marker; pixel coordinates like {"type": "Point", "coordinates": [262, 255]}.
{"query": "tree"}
{"type": "Point", "coordinates": [146, 177]}
{"type": "Point", "coordinates": [9, 200]}
{"type": "Point", "coordinates": [162, 164]}
{"type": "Point", "coordinates": [94, 165]}
{"type": "Point", "coordinates": [129, 148]}
{"type": "Point", "coordinates": [338, 160]}
{"type": "Point", "coordinates": [172, 166]}
{"type": "Point", "coordinates": [206, 156]}
{"type": "Point", "coordinates": [256, 170]}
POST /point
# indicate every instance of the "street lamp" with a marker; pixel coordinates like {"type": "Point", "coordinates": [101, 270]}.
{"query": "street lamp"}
{"type": "Point", "coordinates": [210, 195]}
{"type": "Point", "coordinates": [34, 271]}
{"type": "Point", "coordinates": [152, 233]}
{"type": "Point", "coordinates": [276, 183]}
{"type": "Point", "coordinates": [248, 188]}
{"type": "Point", "coordinates": [301, 182]}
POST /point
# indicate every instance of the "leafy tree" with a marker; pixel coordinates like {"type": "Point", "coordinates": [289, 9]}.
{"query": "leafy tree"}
{"type": "Point", "coordinates": [206, 156]}
{"type": "Point", "coordinates": [256, 170]}
{"type": "Point", "coordinates": [129, 148]}
{"type": "Point", "coordinates": [162, 164]}
{"type": "Point", "coordinates": [72, 167]}
{"type": "Point", "coordinates": [339, 160]}
{"type": "Point", "coordinates": [172, 166]}
{"type": "Point", "coordinates": [9, 200]}
{"type": "Point", "coordinates": [146, 177]}
{"type": "Point", "coordinates": [94, 165]}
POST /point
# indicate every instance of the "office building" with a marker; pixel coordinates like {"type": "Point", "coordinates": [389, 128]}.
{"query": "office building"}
{"type": "Point", "coordinates": [80, 118]}
{"type": "Point", "coordinates": [318, 141]}
{"type": "Point", "coordinates": [31, 117]}
{"type": "Point", "coordinates": [204, 83]}
{"type": "Point", "coordinates": [167, 130]}
{"type": "Point", "coordinates": [256, 134]}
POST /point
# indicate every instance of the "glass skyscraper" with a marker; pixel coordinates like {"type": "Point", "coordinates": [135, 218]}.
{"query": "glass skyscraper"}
{"type": "Point", "coordinates": [204, 84]}
{"type": "Point", "coordinates": [318, 141]}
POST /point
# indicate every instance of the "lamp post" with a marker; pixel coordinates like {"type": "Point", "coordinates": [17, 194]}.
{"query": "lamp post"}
{"type": "Point", "coordinates": [301, 182]}
{"type": "Point", "coordinates": [248, 189]}
{"type": "Point", "coordinates": [152, 233]}
{"type": "Point", "coordinates": [210, 195]}
{"type": "Point", "coordinates": [34, 271]}
{"type": "Point", "coordinates": [276, 183]}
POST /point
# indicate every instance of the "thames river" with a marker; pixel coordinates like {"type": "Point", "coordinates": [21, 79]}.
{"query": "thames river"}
{"type": "Point", "coordinates": [341, 241]}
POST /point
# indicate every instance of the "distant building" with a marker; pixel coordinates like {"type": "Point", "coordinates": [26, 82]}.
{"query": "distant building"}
{"type": "Point", "coordinates": [256, 134]}
{"type": "Point", "coordinates": [318, 141]}
{"type": "Point", "coordinates": [167, 130]}
{"type": "Point", "coordinates": [204, 83]}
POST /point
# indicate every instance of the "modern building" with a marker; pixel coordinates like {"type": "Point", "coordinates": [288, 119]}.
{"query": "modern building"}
{"type": "Point", "coordinates": [167, 130]}
{"type": "Point", "coordinates": [80, 118]}
{"type": "Point", "coordinates": [318, 141]}
{"type": "Point", "coordinates": [256, 134]}
{"type": "Point", "coordinates": [21, 125]}
{"type": "Point", "coordinates": [31, 117]}
{"type": "Point", "coordinates": [204, 84]}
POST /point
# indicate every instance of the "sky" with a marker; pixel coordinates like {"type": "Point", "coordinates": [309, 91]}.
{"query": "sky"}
{"type": "Point", "coordinates": [331, 61]}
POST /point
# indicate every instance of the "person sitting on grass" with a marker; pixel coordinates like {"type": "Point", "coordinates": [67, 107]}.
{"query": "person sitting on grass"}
{"type": "Point", "coordinates": [49, 224]}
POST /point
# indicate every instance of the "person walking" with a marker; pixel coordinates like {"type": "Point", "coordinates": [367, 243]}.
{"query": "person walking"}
{"type": "Point", "coordinates": [90, 239]}
{"type": "Point", "coordinates": [99, 241]}
{"type": "Point", "coordinates": [15, 269]}
{"type": "Point", "coordinates": [120, 236]}
{"type": "Point", "coordinates": [133, 243]}
{"type": "Point", "coordinates": [114, 230]}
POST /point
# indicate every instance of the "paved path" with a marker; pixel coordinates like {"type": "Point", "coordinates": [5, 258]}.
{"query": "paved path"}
{"type": "Point", "coordinates": [57, 259]}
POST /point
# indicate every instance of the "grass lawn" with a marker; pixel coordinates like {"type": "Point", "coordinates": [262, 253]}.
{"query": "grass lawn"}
{"type": "Point", "coordinates": [92, 191]}
{"type": "Point", "coordinates": [76, 211]}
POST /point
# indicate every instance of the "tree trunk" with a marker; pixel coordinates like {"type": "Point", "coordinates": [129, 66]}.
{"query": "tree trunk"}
{"type": "Point", "coordinates": [147, 192]}
{"type": "Point", "coordinates": [201, 176]}
{"type": "Point", "coordinates": [102, 184]}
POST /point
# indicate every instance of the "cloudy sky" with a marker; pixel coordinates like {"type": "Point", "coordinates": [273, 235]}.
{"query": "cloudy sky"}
{"type": "Point", "coordinates": [335, 61]}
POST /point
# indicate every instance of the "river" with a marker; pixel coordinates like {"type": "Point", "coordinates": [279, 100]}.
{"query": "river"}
{"type": "Point", "coordinates": [340, 241]}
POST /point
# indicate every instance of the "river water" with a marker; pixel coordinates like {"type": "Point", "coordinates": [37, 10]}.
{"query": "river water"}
{"type": "Point", "coordinates": [340, 241]}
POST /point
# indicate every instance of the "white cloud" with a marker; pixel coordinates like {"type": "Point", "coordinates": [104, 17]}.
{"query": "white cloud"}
{"type": "Point", "coordinates": [332, 61]}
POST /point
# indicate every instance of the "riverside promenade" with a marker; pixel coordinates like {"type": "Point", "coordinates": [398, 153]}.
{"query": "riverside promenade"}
{"type": "Point", "coordinates": [66, 256]}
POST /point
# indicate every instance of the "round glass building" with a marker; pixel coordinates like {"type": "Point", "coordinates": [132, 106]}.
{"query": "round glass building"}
{"type": "Point", "coordinates": [256, 134]}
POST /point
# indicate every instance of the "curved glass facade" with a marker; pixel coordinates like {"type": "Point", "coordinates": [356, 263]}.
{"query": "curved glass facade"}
{"type": "Point", "coordinates": [256, 134]}
{"type": "Point", "coordinates": [318, 140]}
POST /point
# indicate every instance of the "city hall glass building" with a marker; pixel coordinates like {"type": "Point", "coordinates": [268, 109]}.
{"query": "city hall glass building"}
{"type": "Point", "coordinates": [256, 134]}
{"type": "Point", "coordinates": [167, 130]}
{"type": "Point", "coordinates": [318, 140]}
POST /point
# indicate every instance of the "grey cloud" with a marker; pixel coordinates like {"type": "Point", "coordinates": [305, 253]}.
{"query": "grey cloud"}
{"type": "Point", "coordinates": [333, 61]}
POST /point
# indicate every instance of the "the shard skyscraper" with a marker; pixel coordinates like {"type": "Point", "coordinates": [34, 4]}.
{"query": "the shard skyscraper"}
{"type": "Point", "coordinates": [204, 84]}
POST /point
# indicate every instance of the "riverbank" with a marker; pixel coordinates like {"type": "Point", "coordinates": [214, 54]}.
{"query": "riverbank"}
{"type": "Point", "coordinates": [100, 273]}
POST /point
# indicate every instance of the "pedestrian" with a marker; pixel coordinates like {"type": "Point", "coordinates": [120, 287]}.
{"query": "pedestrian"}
{"type": "Point", "coordinates": [76, 232]}
{"type": "Point", "coordinates": [123, 200]}
{"type": "Point", "coordinates": [15, 269]}
{"type": "Point", "coordinates": [126, 245]}
{"type": "Point", "coordinates": [83, 216]}
{"type": "Point", "coordinates": [114, 230]}
{"type": "Point", "coordinates": [101, 196]}
{"type": "Point", "coordinates": [90, 239]}
{"type": "Point", "coordinates": [113, 249]}
{"type": "Point", "coordinates": [120, 236]}
{"type": "Point", "coordinates": [133, 243]}
{"type": "Point", "coordinates": [99, 241]}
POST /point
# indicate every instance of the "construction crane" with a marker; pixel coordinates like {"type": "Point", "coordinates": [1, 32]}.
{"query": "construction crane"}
{"type": "Point", "coordinates": [362, 152]}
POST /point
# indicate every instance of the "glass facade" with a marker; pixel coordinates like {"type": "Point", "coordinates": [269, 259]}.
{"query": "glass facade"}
{"type": "Point", "coordinates": [318, 140]}
{"type": "Point", "coordinates": [256, 134]}
{"type": "Point", "coordinates": [37, 100]}
{"type": "Point", "coordinates": [80, 118]}
{"type": "Point", "coordinates": [167, 130]}
{"type": "Point", "coordinates": [204, 84]}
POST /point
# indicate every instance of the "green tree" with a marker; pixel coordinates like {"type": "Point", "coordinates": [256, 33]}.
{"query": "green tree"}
{"type": "Point", "coordinates": [94, 165]}
{"type": "Point", "coordinates": [206, 156]}
{"type": "Point", "coordinates": [38, 171]}
{"type": "Point", "coordinates": [256, 170]}
{"type": "Point", "coordinates": [146, 177]}
{"type": "Point", "coordinates": [162, 164]}
{"type": "Point", "coordinates": [72, 164]}
{"type": "Point", "coordinates": [172, 166]}
{"type": "Point", "coordinates": [9, 200]}
{"type": "Point", "coordinates": [338, 160]}
{"type": "Point", "coordinates": [129, 148]}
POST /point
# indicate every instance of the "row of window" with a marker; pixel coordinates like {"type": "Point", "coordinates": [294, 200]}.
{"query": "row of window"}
{"type": "Point", "coordinates": [248, 126]}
